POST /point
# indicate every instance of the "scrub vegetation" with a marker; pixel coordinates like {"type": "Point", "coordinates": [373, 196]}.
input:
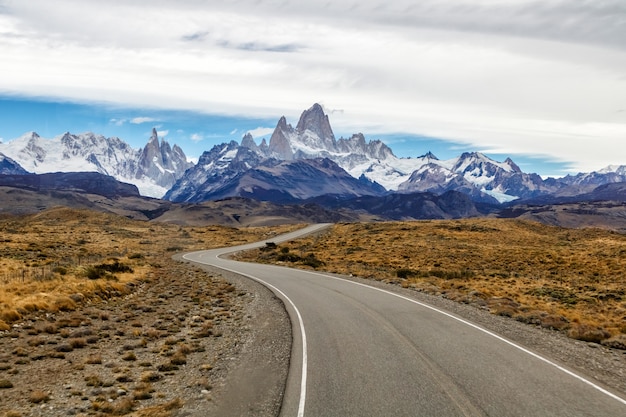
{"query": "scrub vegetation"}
{"type": "Point", "coordinates": [98, 299]}
{"type": "Point", "coordinates": [571, 280]}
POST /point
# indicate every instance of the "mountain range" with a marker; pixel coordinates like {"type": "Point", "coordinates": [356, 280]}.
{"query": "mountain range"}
{"type": "Point", "coordinates": [153, 168]}
{"type": "Point", "coordinates": [299, 164]}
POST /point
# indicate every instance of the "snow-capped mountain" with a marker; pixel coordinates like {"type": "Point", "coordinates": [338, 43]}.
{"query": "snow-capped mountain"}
{"type": "Point", "coordinates": [153, 169]}
{"type": "Point", "coordinates": [9, 167]}
{"type": "Point", "coordinates": [299, 162]}
{"type": "Point", "coordinates": [472, 173]}
{"type": "Point", "coordinates": [478, 176]}
{"type": "Point", "coordinates": [230, 170]}
{"type": "Point", "coordinates": [215, 170]}
{"type": "Point", "coordinates": [608, 175]}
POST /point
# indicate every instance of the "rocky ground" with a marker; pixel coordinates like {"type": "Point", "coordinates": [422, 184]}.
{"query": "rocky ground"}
{"type": "Point", "coordinates": [171, 347]}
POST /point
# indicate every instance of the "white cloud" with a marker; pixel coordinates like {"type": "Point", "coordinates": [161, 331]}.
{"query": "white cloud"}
{"type": "Point", "coordinates": [535, 77]}
{"type": "Point", "coordinates": [232, 132]}
{"type": "Point", "coordinates": [117, 122]}
{"type": "Point", "coordinates": [141, 120]}
{"type": "Point", "coordinates": [163, 133]}
{"type": "Point", "coordinates": [261, 131]}
{"type": "Point", "coordinates": [196, 137]}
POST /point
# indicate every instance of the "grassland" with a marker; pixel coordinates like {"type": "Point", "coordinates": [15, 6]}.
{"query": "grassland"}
{"type": "Point", "coordinates": [570, 280]}
{"type": "Point", "coordinates": [97, 319]}
{"type": "Point", "coordinates": [55, 260]}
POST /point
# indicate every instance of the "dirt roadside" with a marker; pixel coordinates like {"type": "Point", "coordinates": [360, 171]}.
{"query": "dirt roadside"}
{"type": "Point", "coordinates": [181, 344]}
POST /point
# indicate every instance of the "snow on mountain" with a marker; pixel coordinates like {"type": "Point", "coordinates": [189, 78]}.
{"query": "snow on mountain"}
{"type": "Point", "coordinates": [607, 175]}
{"type": "Point", "coordinates": [215, 170]}
{"type": "Point", "coordinates": [153, 169]}
{"type": "Point", "coordinates": [473, 172]}
{"type": "Point", "coordinates": [9, 167]}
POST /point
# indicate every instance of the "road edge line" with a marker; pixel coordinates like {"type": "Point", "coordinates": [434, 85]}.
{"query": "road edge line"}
{"type": "Point", "coordinates": [479, 328]}
{"type": "Point", "coordinates": [303, 380]}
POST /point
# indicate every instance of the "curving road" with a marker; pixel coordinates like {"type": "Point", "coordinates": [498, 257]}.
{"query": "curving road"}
{"type": "Point", "coordinates": [363, 351]}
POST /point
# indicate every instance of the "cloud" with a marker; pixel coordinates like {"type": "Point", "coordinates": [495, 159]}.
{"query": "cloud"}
{"type": "Point", "coordinates": [195, 37]}
{"type": "Point", "coordinates": [163, 133]}
{"type": "Point", "coordinates": [232, 132]}
{"type": "Point", "coordinates": [141, 120]}
{"type": "Point", "coordinates": [527, 76]}
{"type": "Point", "coordinates": [261, 131]}
{"type": "Point", "coordinates": [196, 137]}
{"type": "Point", "coordinates": [117, 122]}
{"type": "Point", "coordinates": [257, 46]}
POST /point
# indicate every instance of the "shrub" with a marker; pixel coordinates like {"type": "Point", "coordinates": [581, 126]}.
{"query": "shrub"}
{"type": "Point", "coordinates": [4, 327]}
{"type": "Point", "coordinates": [93, 381]}
{"type": "Point", "coordinates": [10, 315]}
{"type": "Point", "coordinates": [60, 270]}
{"type": "Point", "coordinates": [405, 273]}
{"type": "Point", "coordinates": [150, 376]}
{"type": "Point", "coordinates": [5, 383]}
{"type": "Point", "coordinates": [99, 271]}
{"type": "Point", "coordinates": [312, 261]}
{"type": "Point", "coordinates": [288, 257]}
{"type": "Point", "coordinates": [94, 359]}
{"type": "Point", "coordinates": [588, 333]}
{"type": "Point", "coordinates": [38, 396]}
{"type": "Point", "coordinates": [78, 343]}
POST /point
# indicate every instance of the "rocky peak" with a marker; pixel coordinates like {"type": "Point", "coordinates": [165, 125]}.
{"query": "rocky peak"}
{"type": "Point", "coordinates": [263, 147]}
{"type": "Point", "coordinates": [316, 121]}
{"type": "Point", "coordinates": [513, 165]}
{"type": "Point", "coordinates": [280, 146]}
{"type": "Point", "coordinates": [159, 161]}
{"type": "Point", "coordinates": [429, 155]}
{"type": "Point", "coordinates": [248, 142]}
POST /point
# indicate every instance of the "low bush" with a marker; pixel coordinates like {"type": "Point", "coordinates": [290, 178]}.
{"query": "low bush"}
{"type": "Point", "coordinates": [5, 383]}
{"type": "Point", "coordinates": [38, 396]}
{"type": "Point", "coordinates": [104, 269]}
{"type": "Point", "coordinates": [588, 333]}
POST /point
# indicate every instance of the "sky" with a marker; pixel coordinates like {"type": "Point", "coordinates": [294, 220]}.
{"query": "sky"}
{"type": "Point", "coordinates": [543, 82]}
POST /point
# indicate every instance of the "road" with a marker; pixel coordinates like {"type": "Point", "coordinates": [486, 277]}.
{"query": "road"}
{"type": "Point", "coordinates": [363, 351]}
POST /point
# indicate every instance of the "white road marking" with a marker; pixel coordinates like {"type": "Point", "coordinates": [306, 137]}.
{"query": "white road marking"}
{"type": "Point", "coordinates": [477, 327]}
{"type": "Point", "coordinates": [302, 401]}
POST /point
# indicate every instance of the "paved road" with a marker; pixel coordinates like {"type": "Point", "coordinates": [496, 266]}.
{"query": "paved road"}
{"type": "Point", "coordinates": [362, 351]}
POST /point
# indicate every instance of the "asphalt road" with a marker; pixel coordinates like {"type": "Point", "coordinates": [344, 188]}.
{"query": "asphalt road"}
{"type": "Point", "coordinates": [363, 351]}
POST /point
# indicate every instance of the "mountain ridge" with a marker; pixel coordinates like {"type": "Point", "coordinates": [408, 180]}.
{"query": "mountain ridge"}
{"type": "Point", "coordinates": [161, 170]}
{"type": "Point", "coordinates": [153, 168]}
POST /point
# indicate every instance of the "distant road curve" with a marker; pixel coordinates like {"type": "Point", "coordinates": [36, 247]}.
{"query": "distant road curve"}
{"type": "Point", "coordinates": [362, 351]}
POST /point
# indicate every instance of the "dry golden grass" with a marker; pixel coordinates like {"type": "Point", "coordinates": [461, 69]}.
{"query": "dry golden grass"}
{"type": "Point", "coordinates": [57, 259]}
{"type": "Point", "coordinates": [567, 279]}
